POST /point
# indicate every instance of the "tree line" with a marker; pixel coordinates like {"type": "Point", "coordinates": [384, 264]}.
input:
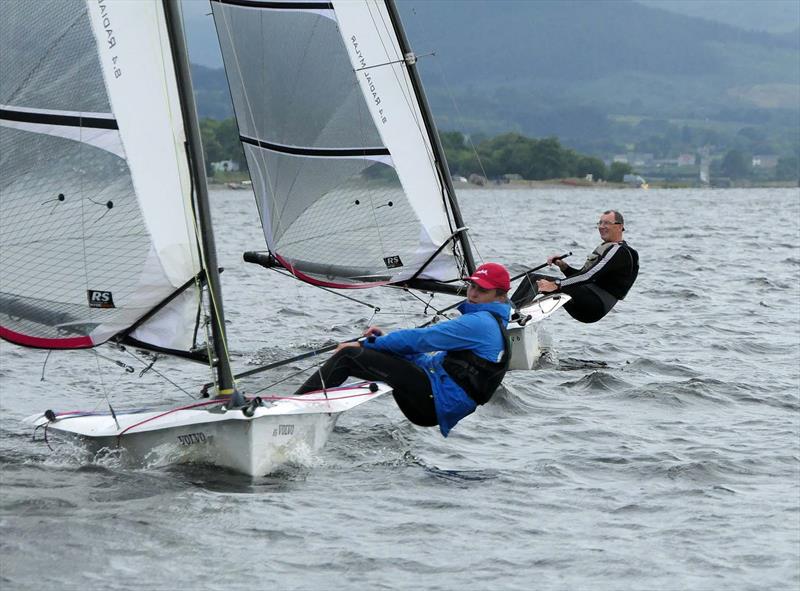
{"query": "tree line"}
{"type": "Point", "coordinates": [530, 158]}
{"type": "Point", "coordinates": [221, 142]}
{"type": "Point", "coordinates": [507, 154]}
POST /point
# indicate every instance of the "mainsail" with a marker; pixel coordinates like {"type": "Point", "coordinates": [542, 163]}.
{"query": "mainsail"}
{"type": "Point", "coordinates": [97, 236]}
{"type": "Point", "coordinates": [350, 185]}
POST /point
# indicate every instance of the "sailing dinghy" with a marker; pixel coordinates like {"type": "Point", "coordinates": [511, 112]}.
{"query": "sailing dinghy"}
{"type": "Point", "coordinates": [350, 177]}
{"type": "Point", "coordinates": [106, 231]}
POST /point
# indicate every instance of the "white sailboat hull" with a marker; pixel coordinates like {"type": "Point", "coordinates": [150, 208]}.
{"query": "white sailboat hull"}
{"type": "Point", "coordinates": [284, 430]}
{"type": "Point", "coordinates": [524, 334]}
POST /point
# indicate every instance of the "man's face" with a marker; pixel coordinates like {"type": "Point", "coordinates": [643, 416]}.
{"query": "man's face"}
{"type": "Point", "coordinates": [478, 295]}
{"type": "Point", "coordinates": [610, 230]}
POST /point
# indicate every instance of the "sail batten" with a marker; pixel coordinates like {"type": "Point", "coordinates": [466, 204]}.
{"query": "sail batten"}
{"type": "Point", "coordinates": [308, 151]}
{"type": "Point", "coordinates": [69, 119]}
{"type": "Point", "coordinates": [341, 160]}
{"type": "Point", "coordinates": [271, 5]}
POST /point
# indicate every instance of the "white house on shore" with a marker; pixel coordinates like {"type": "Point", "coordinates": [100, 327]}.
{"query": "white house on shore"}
{"type": "Point", "coordinates": [225, 166]}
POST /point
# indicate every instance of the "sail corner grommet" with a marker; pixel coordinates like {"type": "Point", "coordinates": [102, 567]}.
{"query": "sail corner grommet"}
{"type": "Point", "coordinates": [373, 387]}
{"type": "Point", "coordinates": [50, 415]}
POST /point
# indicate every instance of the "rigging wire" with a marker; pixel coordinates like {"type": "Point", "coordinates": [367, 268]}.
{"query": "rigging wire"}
{"type": "Point", "coordinates": [190, 221]}
{"type": "Point", "coordinates": [404, 83]}
{"type": "Point", "coordinates": [149, 367]}
{"type": "Point", "coordinates": [410, 92]}
{"type": "Point", "coordinates": [323, 288]}
{"type": "Point", "coordinates": [209, 348]}
{"type": "Point", "coordinates": [427, 304]}
{"type": "Point", "coordinates": [210, 353]}
{"type": "Point", "coordinates": [103, 385]}
{"type": "Point", "coordinates": [291, 375]}
{"type": "Point", "coordinates": [44, 365]}
{"type": "Point", "coordinates": [460, 117]}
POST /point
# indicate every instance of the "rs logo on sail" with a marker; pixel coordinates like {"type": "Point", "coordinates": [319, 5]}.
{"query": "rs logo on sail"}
{"type": "Point", "coordinates": [100, 299]}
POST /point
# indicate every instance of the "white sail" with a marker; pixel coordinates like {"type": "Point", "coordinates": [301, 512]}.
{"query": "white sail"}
{"type": "Point", "coordinates": [96, 224]}
{"type": "Point", "coordinates": [341, 160]}
{"type": "Point", "coordinates": [97, 238]}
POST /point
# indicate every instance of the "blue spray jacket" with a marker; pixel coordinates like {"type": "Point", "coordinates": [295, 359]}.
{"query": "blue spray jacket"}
{"type": "Point", "coordinates": [475, 330]}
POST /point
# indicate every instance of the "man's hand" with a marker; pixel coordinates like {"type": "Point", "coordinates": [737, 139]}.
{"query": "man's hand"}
{"type": "Point", "coordinates": [545, 286]}
{"type": "Point", "coordinates": [373, 331]}
{"type": "Point", "coordinates": [556, 260]}
{"type": "Point", "coordinates": [346, 345]}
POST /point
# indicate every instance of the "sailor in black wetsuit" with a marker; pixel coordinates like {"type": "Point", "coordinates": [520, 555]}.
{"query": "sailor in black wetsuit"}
{"type": "Point", "coordinates": [605, 278]}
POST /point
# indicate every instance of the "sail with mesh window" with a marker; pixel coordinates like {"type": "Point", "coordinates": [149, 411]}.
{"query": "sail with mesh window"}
{"type": "Point", "coordinates": [349, 191]}
{"type": "Point", "coordinates": [97, 238]}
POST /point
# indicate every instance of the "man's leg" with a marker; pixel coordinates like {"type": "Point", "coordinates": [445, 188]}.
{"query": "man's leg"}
{"type": "Point", "coordinates": [527, 290]}
{"type": "Point", "coordinates": [411, 386]}
{"type": "Point", "coordinates": [586, 304]}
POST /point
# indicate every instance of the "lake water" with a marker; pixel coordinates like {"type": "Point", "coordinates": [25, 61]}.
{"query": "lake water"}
{"type": "Point", "coordinates": [657, 449]}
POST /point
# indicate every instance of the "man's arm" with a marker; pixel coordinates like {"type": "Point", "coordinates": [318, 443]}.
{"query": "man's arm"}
{"type": "Point", "coordinates": [608, 262]}
{"type": "Point", "coordinates": [450, 335]}
{"type": "Point", "coordinates": [558, 262]}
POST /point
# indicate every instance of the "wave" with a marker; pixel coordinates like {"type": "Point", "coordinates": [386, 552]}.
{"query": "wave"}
{"type": "Point", "coordinates": [294, 312]}
{"type": "Point", "coordinates": [749, 346]}
{"type": "Point", "coordinates": [681, 393]}
{"type": "Point", "coordinates": [766, 282]}
{"type": "Point", "coordinates": [598, 381]}
{"type": "Point", "coordinates": [657, 367]}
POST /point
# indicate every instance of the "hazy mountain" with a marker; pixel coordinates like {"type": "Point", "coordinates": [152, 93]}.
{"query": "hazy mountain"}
{"type": "Point", "coordinates": [598, 74]}
{"type": "Point", "coordinates": [772, 16]}
{"type": "Point", "coordinates": [202, 38]}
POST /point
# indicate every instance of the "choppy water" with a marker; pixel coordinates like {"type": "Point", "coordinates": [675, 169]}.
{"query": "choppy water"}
{"type": "Point", "coordinates": [659, 449]}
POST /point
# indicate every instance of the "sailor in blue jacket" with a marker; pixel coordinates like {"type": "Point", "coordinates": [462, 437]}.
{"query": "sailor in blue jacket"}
{"type": "Point", "coordinates": [439, 374]}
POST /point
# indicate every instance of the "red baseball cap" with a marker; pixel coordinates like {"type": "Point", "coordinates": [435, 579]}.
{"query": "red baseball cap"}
{"type": "Point", "coordinates": [491, 276]}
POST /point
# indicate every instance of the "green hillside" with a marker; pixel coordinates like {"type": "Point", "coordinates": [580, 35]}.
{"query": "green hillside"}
{"type": "Point", "coordinates": [573, 69]}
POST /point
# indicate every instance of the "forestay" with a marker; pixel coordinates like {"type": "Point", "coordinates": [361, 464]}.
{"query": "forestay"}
{"type": "Point", "coordinates": [96, 226]}
{"type": "Point", "coordinates": [349, 191]}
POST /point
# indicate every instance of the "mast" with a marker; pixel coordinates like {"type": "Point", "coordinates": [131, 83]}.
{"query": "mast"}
{"type": "Point", "coordinates": [438, 150]}
{"type": "Point", "coordinates": [180, 57]}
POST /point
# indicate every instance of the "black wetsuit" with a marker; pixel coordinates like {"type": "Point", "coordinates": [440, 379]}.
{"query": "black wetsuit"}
{"type": "Point", "coordinates": [410, 385]}
{"type": "Point", "coordinates": [605, 278]}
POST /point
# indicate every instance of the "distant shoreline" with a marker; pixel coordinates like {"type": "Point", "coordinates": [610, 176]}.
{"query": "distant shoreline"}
{"type": "Point", "coordinates": [584, 184]}
{"type": "Point", "coordinates": [552, 184]}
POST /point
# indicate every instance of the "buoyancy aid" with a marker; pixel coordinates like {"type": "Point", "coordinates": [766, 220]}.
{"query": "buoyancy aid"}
{"type": "Point", "coordinates": [479, 377]}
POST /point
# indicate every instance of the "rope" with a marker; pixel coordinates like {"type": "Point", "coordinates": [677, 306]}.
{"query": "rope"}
{"type": "Point", "coordinates": [103, 385]}
{"type": "Point", "coordinates": [159, 374]}
{"type": "Point", "coordinates": [323, 288]}
{"type": "Point", "coordinates": [268, 398]}
{"type": "Point", "coordinates": [44, 365]}
{"type": "Point", "coordinates": [460, 118]}
{"type": "Point", "coordinates": [427, 304]}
